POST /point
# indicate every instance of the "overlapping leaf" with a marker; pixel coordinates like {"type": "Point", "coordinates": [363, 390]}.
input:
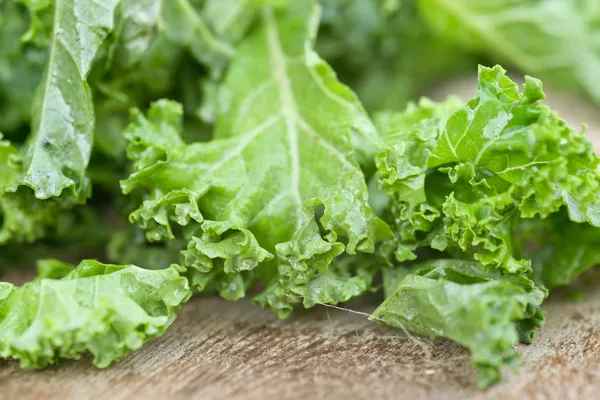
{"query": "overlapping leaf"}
{"type": "Point", "coordinates": [209, 29]}
{"type": "Point", "coordinates": [50, 171]}
{"type": "Point", "coordinates": [493, 201]}
{"type": "Point", "coordinates": [278, 194]}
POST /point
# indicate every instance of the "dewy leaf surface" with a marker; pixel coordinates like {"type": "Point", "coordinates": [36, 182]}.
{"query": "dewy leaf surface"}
{"type": "Point", "coordinates": [106, 310]}
{"type": "Point", "coordinates": [278, 194]}
{"type": "Point", "coordinates": [57, 152]}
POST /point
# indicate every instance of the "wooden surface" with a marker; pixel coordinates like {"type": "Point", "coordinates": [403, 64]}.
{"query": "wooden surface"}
{"type": "Point", "coordinates": [222, 350]}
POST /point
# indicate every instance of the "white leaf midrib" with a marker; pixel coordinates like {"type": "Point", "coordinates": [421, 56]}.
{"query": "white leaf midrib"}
{"type": "Point", "coordinates": [289, 108]}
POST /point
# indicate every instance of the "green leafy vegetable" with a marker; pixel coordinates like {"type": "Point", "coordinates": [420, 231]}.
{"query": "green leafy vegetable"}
{"type": "Point", "coordinates": [504, 187]}
{"type": "Point", "coordinates": [53, 161]}
{"type": "Point", "coordinates": [278, 194]}
{"type": "Point", "coordinates": [57, 152]}
{"type": "Point", "coordinates": [107, 310]}
{"type": "Point", "coordinates": [209, 29]}
{"type": "Point", "coordinates": [470, 173]}
{"type": "Point", "coordinates": [183, 25]}
{"type": "Point", "coordinates": [481, 309]}
{"type": "Point", "coordinates": [560, 249]}
{"type": "Point", "coordinates": [256, 170]}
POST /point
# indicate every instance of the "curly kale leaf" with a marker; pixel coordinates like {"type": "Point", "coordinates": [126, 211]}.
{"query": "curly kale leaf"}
{"type": "Point", "coordinates": [278, 194]}
{"type": "Point", "coordinates": [107, 310]}
{"type": "Point", "coordinates": [460, 176]}
{"type": "Point", "coordinates": [486, 311]}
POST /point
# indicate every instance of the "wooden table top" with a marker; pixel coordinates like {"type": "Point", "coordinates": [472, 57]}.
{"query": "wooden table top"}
{"type": "Point", "coordinates": [223, 350]}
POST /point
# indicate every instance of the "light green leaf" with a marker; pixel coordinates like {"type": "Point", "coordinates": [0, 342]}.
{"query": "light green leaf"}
{"type": "Point", "coordinates": [209, 29]}
{"type": "Point", "coordinates": [527, 145]}
{"type": "Point", "coordinates": [411, 136]}
{"type": "Point", "coordinates": [459, 177]}
{"type": "Point", "coordinates": [279, 182]}
{"type": "Point", "coordinates": [57, 152]}
{"type": "Point", "coordinates": [485, 311]}
{"type": "Point", "coordinates": [106, 310]}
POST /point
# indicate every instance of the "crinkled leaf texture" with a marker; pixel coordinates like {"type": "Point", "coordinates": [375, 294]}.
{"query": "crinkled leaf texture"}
{"type": "Point", "coordinates": [484, 310]}
{"type": "Point", "coordinates": [278, 195]}
{"type": "Point", "coordinates": [507, 190]}
{"type": "Point", "coordinates": [460, 176]}
{"type": "Point", "coordinates": [20, 222]}
{"type": "Point", "coordinates": [108, 310]}
{"type": "Point", "coordinates": [516, 32]}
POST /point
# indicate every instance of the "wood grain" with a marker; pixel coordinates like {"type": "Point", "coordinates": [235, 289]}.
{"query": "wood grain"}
{"type": "Point", "coordinates": [217, 349]}
{"type": "Point", "coordinates": [223, 350]}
